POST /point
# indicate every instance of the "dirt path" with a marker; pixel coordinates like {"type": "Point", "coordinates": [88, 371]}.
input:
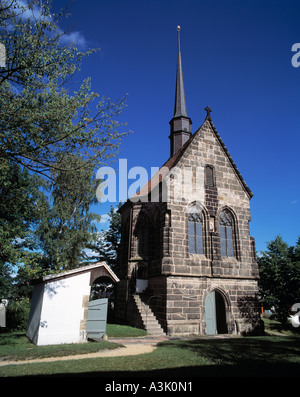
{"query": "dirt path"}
{"type": "Point", "coordinates": [129, 350]}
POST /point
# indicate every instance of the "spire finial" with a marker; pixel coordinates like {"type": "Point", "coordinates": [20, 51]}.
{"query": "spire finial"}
{"type": "Point", "coordinates": [178, 30]}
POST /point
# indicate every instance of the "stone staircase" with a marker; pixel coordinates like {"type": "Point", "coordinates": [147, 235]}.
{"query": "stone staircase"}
{"type": "Point", "coordinates": [149, 320]}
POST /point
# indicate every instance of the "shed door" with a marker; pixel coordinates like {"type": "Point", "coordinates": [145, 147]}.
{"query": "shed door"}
{"type": "Point", "coordinates": [210, 314]}
{"type": "Point", "coordinates": [96, 321]}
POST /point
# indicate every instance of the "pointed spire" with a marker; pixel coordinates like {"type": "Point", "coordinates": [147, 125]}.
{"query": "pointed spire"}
{"type": "Point", "coordinates": [180, 104]}
{"type": "Point", "coordinates": [180, 123]}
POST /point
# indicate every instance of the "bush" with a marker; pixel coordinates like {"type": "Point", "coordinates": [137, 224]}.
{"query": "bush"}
{"type": "Point", "coordinates": [17, 314]}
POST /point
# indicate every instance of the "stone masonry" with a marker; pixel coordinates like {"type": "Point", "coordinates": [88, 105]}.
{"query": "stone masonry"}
{"type": "Point", "coordinates": [186, 247]}
{"type": "Point", "coordinates": [177, 280]}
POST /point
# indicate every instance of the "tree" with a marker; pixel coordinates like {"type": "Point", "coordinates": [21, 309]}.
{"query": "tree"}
{"type": "Point", "coordinates": [113, 236]}
{"type": "Point", "coordinates": [67, 226]}
{"type": "Point", "coordinates": [5, 280]}
{"type": "Point", "coordinates": [279, 271]}
{"type": "Point", "coordinates": [41, 122]}
{"type": "Point", "coordinates": [54, 137]}
{"type": "Point", "coordinates": [18, 196]}
{"type": "Point", "coordinates": [107, 243]}
{"type": "Point", "coordinates": [20, 200]}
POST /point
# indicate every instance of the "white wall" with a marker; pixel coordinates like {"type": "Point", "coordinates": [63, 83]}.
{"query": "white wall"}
{"type": "Point", "coordinates": [62, 310]}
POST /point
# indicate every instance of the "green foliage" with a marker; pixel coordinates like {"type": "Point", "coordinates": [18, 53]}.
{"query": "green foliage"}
{"type": "Point", "coordinates": [52, 140]}
{"type": "Point", "coordinates": [67, 226]}
{"type": "Point", "coordinates": [18, 196]}
{"type": "Point", "coordinates": [279, 270]}
{"type": "Point", "coordinates": [41, 122]}
{"type": "Point", "coordinates": [5, 280]}
{"type": "Point", "coordinates": [17, 314]}
{"type": "Point", "coordinates": [107, 243]}
{"type": "Point", "coordinates": [20, 202]}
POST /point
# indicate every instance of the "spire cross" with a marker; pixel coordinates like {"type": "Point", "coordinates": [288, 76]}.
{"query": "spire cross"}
{"type": "Point", "coordinates": [208, 110]}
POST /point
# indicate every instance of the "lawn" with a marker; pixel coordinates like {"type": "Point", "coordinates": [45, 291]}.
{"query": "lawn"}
{"type": "Point", "coordinates": [251, 356]}
{"type": "Point", "coordinates": [16, 346]}
{"type": "Point", "coordinates": [124, 331]}
{"type": "Point", "coordinates": [199, 357]}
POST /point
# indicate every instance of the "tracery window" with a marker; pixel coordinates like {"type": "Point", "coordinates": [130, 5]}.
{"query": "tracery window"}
{"type": "Point", "coordinates": [227, 234]}
{"type": "Point", "coordinates": [196, 234]}
{"type": "Point", "coordinates": [143, 242]}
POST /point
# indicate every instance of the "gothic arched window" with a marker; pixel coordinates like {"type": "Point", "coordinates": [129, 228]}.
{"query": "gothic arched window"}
{"type": "Point", "coordinates": [143, 242]}
{"type": "Point", "coordinates": [196, 234]}
{"type": "Point", "coordinates": [227, 234]}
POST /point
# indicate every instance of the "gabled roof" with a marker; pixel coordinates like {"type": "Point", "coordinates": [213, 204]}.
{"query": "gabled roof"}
{"type": "Point", "coordinates": [74, 272]}
{"type": "Point", "coordinates": [245, 186]}
{"type": "Point", "coordinates": [173, 161]}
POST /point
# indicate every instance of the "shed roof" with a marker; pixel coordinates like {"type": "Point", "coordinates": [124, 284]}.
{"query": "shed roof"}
{"type": "Point", "coordinates": [78, 270]}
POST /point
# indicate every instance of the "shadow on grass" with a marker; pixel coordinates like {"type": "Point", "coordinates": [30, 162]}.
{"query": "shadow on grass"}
{"type": "Point", "coordinates": [258, 370]}
{"type": "Point", "coordinates": [282, 329]}
{"type": "Point", "coordinates": [233, 357]}
{"type": "Point", "coordinates": [235, 350]}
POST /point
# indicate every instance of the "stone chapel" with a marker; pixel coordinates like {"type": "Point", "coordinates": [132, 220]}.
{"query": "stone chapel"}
{"type": "Point", "coordinates": [187, 262]}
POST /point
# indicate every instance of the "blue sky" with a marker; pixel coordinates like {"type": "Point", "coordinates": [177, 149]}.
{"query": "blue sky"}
{"type": "Point", "coordinates": [236, 58]}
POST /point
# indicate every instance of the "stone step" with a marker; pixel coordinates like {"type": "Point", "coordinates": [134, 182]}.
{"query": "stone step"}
{"type": "Point", "coordinates": [155, 332]}
{"type": "Point", "coordinates": [149, 320]}
{"type": "Point", "coordinates": [144, 310]}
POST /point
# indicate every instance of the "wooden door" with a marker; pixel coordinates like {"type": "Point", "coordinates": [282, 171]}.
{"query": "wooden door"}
{"type": "Point", "coordinates": [210, 314]}
{"type": "Point", "coordinates": [97, 317]}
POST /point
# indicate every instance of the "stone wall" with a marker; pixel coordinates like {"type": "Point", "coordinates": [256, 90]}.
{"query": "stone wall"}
{"type": "Point", "coordinates": [228, 192]}
{"type": "Point", "coordinates": [179, 281]}
{"type": "Point", "coordinates": [186, 304]}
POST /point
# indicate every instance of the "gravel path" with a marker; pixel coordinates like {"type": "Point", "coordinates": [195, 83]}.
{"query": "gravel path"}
{"type": "Point", "coordinates": [131, 349]}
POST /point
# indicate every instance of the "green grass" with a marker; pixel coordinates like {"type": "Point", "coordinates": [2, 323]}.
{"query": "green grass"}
{"type": "Point", "coordinates": [273, 327]}
{"type": "Point", "coordinates": [196, 357]}
{"type": "Point", "coordinates": [16, 346]}
{"type": "Point", "coordinates": [124, 331]}
{"type": "Point", "coordinates": [249, 356]}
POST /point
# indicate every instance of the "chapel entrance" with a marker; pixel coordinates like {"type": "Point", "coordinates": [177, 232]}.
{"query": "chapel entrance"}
{"type": "Point", "coordinates": [215, 314]}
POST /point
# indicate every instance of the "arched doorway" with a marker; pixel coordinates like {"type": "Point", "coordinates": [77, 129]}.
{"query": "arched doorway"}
{"type": "Point", "coordinates": [215, 314]}
{"type": "Point", "coordinates": [103, 287]}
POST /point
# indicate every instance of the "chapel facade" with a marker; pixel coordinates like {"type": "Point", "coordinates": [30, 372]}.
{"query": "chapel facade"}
{"type": "Point", "coordinates": [186, 250]}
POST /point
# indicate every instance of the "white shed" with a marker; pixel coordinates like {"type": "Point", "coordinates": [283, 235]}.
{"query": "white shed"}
{"type": "Point", "coordinates": [59, 306]}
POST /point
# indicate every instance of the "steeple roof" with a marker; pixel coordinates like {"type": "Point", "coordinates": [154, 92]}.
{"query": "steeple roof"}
{"type": "Point", "coordinates": [180, 124]}
{"type": "Point", "coordinates": [180, 104]}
